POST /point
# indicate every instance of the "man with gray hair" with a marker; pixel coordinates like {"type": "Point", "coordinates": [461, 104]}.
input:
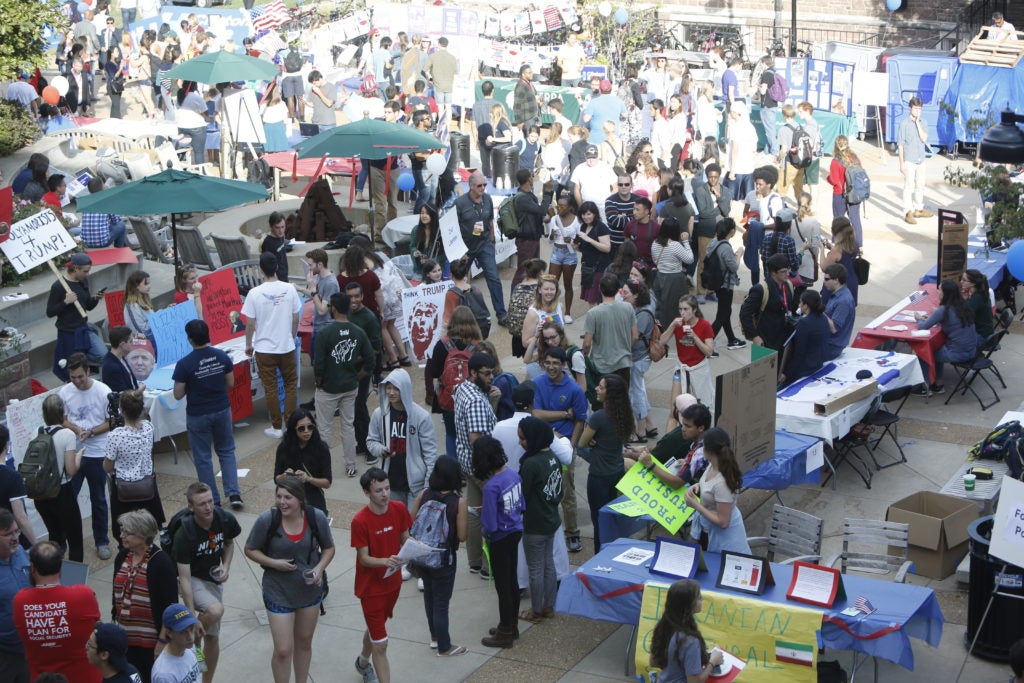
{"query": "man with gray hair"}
{"type": "Point", "coordinates": [475, 212]}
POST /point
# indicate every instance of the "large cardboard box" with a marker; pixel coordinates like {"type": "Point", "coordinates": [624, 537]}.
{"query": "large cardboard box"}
{"type": "Point", "coordinates": [938, 530]}
{"type": "Point", "coordinates": [845, 397]}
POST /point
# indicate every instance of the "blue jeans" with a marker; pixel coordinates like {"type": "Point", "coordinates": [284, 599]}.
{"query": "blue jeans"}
{"type": "Point", "coordinates": [92, 471]}
{"type": "Point", "coordinates": [364, 173]}
{"type": "Point", "coordinates": [438, 585]}
{"type": "Point", "coordinates": [198, 136]}
{"type": "Point", "coordinates": [770, 120]}
{"type": "Point", "coordinates": [117, 234]}
{"type": "Point", "coordinates": [127, 17]}
{"type": "Point", "coordinates": [485, 258]}
{"type": "Point", "coordinates": [216, 428]}
{"type": "Point", "coordinates": [638, 391]}
{"type": "Point", "coordinates": [752, 253]}
{"type": "Point", "coordinates": [426, 188]}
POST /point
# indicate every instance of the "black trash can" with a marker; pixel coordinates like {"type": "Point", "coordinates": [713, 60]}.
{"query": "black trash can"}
{"type": "Point", "coordinates": [504, 165]}
{"type": "Point", "coordinates": [459, 143]}
{"type": "Point", "coordinates": [1005, 622]}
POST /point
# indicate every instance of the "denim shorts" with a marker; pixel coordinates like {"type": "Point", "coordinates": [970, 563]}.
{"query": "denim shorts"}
{"type": "Point", "coordinates": [275, 608]}
{"type": "Point", "coordinates": [564, 257]}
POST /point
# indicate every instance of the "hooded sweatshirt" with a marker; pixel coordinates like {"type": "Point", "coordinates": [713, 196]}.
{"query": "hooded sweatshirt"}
{"type": "Point", "coordinates": [420, 440]}
{"type": "Point", "coordinates": [542, 479]}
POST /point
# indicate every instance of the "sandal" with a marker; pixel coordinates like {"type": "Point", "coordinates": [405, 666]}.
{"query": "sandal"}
{"type": "Point", "coordinates": [547, 612]}
{"type": "Point", "coordinates": [652, 433]}
{"type": "Point", "coordinates": [530, 616]}
{"type": "Point", "coordinates": [405, 362]}
{"type": "Point", "coordinates": [454, 652]}
{"type": "Point", "coordinates": [636, 438]}
{"type": "Point", "coordinates": [391, 366]}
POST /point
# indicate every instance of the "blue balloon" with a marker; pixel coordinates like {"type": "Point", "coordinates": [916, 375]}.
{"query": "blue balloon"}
{"type": "Point", "coordinates": [1015, 259]}
{"type": "Point", "coordinates": [406, 182]}
{"type": "Point", "coordinates": [622, 16]}
{"type": "Point", "coordinates": [893, 5]}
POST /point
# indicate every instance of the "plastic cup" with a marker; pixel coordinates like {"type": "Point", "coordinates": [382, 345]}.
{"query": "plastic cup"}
{"type": "Point", "coordinates": [217, 573]}
{"type": "Point", "coordinates": [687, 329]}
{"type": "Point", "coordinates": [969, 482]}
{"type": "Point", "coordinates": [309, 576]}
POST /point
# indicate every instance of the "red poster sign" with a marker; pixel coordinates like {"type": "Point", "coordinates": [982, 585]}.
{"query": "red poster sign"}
{"type": "Point", "coordinates": [222, 306]}
{"type": "Point", "coordinates": [240, 395]}
{"type": "Point", "coordinates": [115, 308]}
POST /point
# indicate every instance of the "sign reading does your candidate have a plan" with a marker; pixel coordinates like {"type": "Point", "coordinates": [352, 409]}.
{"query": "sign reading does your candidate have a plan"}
{"type": "Point", "coordinates": [35, 240]}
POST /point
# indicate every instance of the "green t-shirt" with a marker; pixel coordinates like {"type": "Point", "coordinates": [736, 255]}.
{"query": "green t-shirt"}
{"type": "Point", "coordinates": [672, 445]}
{"type": "Point", "coordinates": [542, 489]}
{"type": "Point", "coordinates": [342, 350]}
{"type": "Point", "coordinates": [370, 324]}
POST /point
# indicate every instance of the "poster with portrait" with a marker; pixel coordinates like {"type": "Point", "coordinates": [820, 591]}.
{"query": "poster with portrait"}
{"type": "Point", "coordinates": [422, 312]}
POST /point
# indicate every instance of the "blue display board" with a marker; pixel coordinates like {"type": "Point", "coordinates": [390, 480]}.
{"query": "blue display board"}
{"type": "Point", "coordinates": [828, 86]}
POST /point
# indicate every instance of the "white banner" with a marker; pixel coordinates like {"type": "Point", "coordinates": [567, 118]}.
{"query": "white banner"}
{"type": "Point", "coordinates": [36, 240]}
{"type": "Point", "coordinates": [451, 237]}
{"type": "Point", "coordinates": [422, 311]}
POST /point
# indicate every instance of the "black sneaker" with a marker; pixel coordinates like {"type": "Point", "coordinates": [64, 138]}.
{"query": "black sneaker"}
{"type": "Point", "coordinates": [920, 390]}
{"type": "Point", "coordinates": [371, 459]}
{"type": "Point", "coordinates": [503, 321]}
{"type": "Point", "coordinates": [308, 405]}
{"type": "Point", "coordinates": [474, 570]}
{"type": "Point", "coordinates": [736, 344]}
{"type": "Point", "coordinates": [573, 544]}
{"type": "Point", "coordinates": [236, 501]}
{"type": "Point", "coordinates": [714, 354]}
{"type": "Point", "coordinates": [485, 574]}
{"type": "Point", "coordinates": [938, 388]}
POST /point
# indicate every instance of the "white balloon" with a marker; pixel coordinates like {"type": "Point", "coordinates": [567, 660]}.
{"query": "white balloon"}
{"type": "Point", "coordinates": [436, 164]}
{"type": "Point", "coordinates": [604, 9]}
{"type": "Point", "coordinates": [61, 84]}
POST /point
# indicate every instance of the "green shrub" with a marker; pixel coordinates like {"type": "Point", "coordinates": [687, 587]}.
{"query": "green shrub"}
{"type": "Point", "coordinates": [17, 128]}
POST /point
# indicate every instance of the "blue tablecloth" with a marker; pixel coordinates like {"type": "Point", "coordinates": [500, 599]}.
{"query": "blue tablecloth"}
{"type": "Point", "coordinates": [904, 611]}
{"type": "Point", "coordinates": [787, 468]}
{"type": "Point", "coordinates": [993, 265]}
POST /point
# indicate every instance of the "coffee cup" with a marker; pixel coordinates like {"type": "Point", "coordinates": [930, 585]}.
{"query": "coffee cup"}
{"type": "Point", "coordinates": [969, 480]}
{"type": "Point", "coordinates": [687, 329]}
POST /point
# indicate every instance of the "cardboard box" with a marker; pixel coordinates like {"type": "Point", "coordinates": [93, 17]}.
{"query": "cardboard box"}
{"type": "Point", "coordinates": [938, 530]}
{"type": "Point", "coordinates": [848, 396]}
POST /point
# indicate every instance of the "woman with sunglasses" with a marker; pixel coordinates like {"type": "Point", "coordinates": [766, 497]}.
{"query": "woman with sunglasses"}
{"type": "Point", "coordinates": [303, 454]}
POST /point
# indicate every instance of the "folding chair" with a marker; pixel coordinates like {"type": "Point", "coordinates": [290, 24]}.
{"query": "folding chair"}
{"type": "Point", "coordinates": [793, 533]}
{"type": "Point", "coordinates": [192, 248]}
{"type": "Point", "coordinates": [970, 370]}
{"type": "Point", "coordinates": [247, 274]}
{"type": "Point", "coordinates": [231, 249]}
{"type": "Point", "coordinates": [889, 420]}
{"type": "Point", "coordinates": [845, 449]}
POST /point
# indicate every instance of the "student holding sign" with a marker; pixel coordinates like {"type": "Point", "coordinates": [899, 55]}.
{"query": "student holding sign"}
{"type": "Point", "coordinates": [69, 300]}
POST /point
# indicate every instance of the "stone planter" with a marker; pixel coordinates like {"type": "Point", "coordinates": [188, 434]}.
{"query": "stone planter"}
{"type": "Point", "coordinates": [15, 372]}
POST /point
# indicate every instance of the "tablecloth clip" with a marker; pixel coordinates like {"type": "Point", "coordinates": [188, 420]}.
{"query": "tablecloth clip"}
{"type": "Point", "coordinates": [607, 570]}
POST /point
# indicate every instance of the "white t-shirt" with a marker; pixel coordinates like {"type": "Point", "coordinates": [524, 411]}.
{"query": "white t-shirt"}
{"type": "Point", "coordinates": [64, 440]}
{"type": "Point", "coordinates": [507, 434]}
{"type": "Point", "coordinates": [595, 183]}
{"type": "Point", "coordinates": [171, 669]}
{"type": "Point", "coordinates": [192, 112]}
{"type": "Point", "coordinates": [564, 234]}
{"type": "Point", "coordinates": [357, 104]}
{"type": "Point", "coordinates": [88, 409]}
{"type": "Point", "coordinates": [271, 307]}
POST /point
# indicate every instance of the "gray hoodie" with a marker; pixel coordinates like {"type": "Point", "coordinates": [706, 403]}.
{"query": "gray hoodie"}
{"type": "Point", "coordinates": [420, 444]}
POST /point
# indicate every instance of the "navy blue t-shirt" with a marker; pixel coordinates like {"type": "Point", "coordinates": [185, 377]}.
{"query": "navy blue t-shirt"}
{"type": "Point", "coordinates": [203, 373]}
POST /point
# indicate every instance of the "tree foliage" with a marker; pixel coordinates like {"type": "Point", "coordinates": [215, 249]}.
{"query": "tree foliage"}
{"type": "Point", "coordinates": [22, 24]}
{"type": "Point", "coordinates": [999, 191]}
{"type": "Point", "coordinates": [619, 46]}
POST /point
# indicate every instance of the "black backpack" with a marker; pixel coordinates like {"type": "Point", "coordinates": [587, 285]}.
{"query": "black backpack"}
{"type": "Point", "coordinates": [293, 61]}
{"type": "Point", "coordinates": [801, 152]}
{"type": "Point", "coordinates": [474, 300]}
{"type": "Point", "coordinates": [275, 526]}
{"type": "Point", "coordinates": [40, 467]}
{"type": "Point", "coordinates": [184, 519]}
{"type": "Point", "coordinates": [712, 277]}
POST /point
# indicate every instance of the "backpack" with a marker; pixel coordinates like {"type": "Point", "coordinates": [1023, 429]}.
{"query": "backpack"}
{"type": "Point", "coordinates": [275, 524]}
{"type": "Point", "coordinates": [518, 306]}
{"type": "Point", "coordinates": [258, 171]}
{"type": "Point", "coordinates": [40, 468]}
{"type": "Point", "coordinates": [712, 277]}
{"type": "Point", "coordinates": [996, 446]}
{"type": "Point", "coordinates": [293, 61]}
{"type": "Point", "coordinates": [779, 89]}
{"type": "Point", "coordinates": [455, 372]}
{"type": "Point", "coordinates": [505, 407]}
{"type": "Point", "coordinates": [1015, 458]}
{"type": "Point", "coordinates": [184, 519]}
{"type": "Point", "coordinates": [801, 152]}
{"type": "Point", "coordinates": [432, 527]}
{"type": "Point", "coordinates": [474, 300]}
{"type": "Point", "coordinates": [590, 374]}
{"type": "Point", "coordinates": [655, 348]}
{"type": "Point", "coordinates": [508, 222]}
{"type": "Point", "coordinates": [858, 184]}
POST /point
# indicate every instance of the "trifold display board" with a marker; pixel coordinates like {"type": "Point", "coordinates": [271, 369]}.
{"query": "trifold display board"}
{"type": "Point", "coordinates": [826, 85]}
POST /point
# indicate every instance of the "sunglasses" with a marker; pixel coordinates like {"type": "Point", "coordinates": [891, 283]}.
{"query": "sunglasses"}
{"type": "Point", "coordinates": [305, 428]}
{"type": "Point", "coordinates": [625, 184]}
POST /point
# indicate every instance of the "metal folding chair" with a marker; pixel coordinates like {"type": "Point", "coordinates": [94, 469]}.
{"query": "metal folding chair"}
{"type": "Point", "coordinates": [889, 420]}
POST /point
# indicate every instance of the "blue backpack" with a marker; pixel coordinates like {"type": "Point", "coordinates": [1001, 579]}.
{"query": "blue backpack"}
{"type": "Point", "coordinates": [432, 528]}
{"type": "Point", "coordinates": [858, 184]}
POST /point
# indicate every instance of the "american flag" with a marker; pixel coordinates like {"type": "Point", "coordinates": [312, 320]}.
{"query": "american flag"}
{"type": "Point", "coordinates": [864, 605]}
{"type": "Point", "coordinates": [269, 16]}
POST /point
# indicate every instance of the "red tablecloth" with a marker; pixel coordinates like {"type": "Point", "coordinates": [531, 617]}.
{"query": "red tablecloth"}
{"type": "Point", "coordinates": [923, 347]}
{"type": "Point", "coordinates": [286, 161]}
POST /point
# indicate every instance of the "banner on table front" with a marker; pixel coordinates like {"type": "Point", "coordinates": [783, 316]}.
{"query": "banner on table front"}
{"type": "Point", "coordinates": [778, 641]}
{"type": "Point", "coordinates": [422, 311]}
{"type": "Point", "coordinates": [35, 240]}
{"type": "Point", "coordinates": [665, 505]}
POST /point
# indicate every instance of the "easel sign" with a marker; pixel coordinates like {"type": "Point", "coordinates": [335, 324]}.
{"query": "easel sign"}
{"type": "Point", "coordinates": [744, 573]}
{"type": "Point", "coordinates": [951, 258]}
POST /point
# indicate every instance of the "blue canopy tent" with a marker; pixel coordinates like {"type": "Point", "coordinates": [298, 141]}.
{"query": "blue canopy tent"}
{"type": "Point", "coordinates": [975, 97]}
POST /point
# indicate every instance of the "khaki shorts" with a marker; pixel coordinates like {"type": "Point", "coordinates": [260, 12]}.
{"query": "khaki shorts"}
{"type": "Point", "coordinates": [205, 594]}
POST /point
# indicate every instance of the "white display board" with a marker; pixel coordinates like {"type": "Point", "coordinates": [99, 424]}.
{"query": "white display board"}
{"type": "Point", "coordinates": [870, 88]}
{"type": "Point", "coordinates": [35, 240]}
{"type": "Point", "coordinates": [1007, 541]}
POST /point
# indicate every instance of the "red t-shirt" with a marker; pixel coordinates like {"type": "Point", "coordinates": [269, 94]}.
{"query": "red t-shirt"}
{"type": "Point", "coordinates": [686, 349]}
{"type": "Point", "coordinates": [382, 535]}
{"type": "Point", "coordinates": [370, 284]}
{"type": "Point", "coordinates": [54, 624]}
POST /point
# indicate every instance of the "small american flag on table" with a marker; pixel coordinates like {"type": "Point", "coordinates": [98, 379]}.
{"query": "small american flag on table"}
{"type": "Point", "coordinates": [269, 16]}
{"type": "Point", "coordinates": [864, 605]}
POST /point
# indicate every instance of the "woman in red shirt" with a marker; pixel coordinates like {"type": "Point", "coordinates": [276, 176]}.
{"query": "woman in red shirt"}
{"type": "Point", "coordinates": [695, 343]}
{"type": "Point", "coordinates": [842, 158]}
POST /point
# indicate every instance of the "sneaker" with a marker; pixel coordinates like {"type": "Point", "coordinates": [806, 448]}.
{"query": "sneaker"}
{"type": "Point", "coordinates": [419, 587]}
{"type": "Point", "coordinates": [405, 574]}
{"type": "Point", "coordinates": [274, 433]}
{"type": "Point", "coordinates": [736, 344]}
{"type": "Point", "coordinates": [474, 570]}
{"type": "Point", "coordinates": [433, 644]}
{"type": "Point", "coordinates": [938, 388]}
{"type": "Point", "coordinates": [920, 390]}
{"type": "Point", "coordinates": [236, 501]}
{"type": "Point", "coordinates": [923, 213]}
{"type": "Point", "coordinates": [351, 472]}
{"type": "Point", "coordinates": [567, 320]}
{"type": "Point", "coordinates": [367, 672]}
{"type": "Point", "coordinates": [200, 658]}
{"type": "Point", "coordinates": [309, 405]}
{"type": "Point", "coordinates": [371, 459]}
{"type": "Point", "coordinates": [503, 321]}
{"type": "Point", "coordinates": [103, 552]}
{"type": "Point", "coordinates": [714, 354]}
{"type": "Point", "coordinates": [702, 299]}
{"type": "Point", "coordinates": [485, 574]}
{"type": "Point", "coordinates": [573, 544]}
{"type": "Point", "coordinates": [711, 297]}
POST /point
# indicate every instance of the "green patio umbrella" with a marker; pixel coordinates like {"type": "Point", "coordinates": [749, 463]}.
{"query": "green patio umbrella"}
{"type": "Point", "coordinates": [224, 67]}
{"type": "Point", "coordinates": [368, 139]}
{"type": "Point", "coordinates": [172, 191]}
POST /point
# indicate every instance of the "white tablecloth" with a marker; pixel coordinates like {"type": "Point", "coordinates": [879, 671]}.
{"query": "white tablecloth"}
{"type": "Point", "coordinates": [796, 413]}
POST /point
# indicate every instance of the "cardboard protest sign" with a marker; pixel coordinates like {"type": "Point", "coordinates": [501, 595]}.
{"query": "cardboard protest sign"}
{"type": "Point", "coordinates": [36, 240]}
{"type": "Point", "coordinates": [422, 311]}
{"type": "Point", "coordinates": [222, 306]}
{"type": "Point", "coordinates": [115, 308]}
{"type": "Point", "coordinates": [742, 411]}
{"type": "Point", "coordinates": [240, 395]}
{"type": "Point", "coordinates": [168, 326]}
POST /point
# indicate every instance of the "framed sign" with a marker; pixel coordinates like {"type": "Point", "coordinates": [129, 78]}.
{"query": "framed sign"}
{"type": "Point", "coordinates": [744, 573]}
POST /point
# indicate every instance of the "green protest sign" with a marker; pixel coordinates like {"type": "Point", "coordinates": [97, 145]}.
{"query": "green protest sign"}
{"type": "Point", "coordinates": [663, 504]}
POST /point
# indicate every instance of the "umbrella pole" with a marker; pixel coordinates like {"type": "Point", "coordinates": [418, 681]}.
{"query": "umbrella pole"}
{"type": "Point", "coordinates": [352, 184]}
{"type": "Point", "coordinates": [174, 238]}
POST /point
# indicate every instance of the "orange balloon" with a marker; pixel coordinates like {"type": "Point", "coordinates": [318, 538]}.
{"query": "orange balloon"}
{"type": "Point", "coordinates": [50, 95]}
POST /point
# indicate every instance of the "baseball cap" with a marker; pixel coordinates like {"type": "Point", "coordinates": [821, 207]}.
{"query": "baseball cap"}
{"type": "Point", "coordinates": [786, 214]}
{"type": "Point", "coordinates": [80, 259]}
{"type": "Point", "coordinates": [369, 84]}
{"type": "Point", "coordinates": [522, 395]}
{"type": "Point", "coordinates": [113, 640]}
{"type": "Point", "coordinates": [591, 152]}
{"type": "Point", "coordinates": [178, 617]}
{"type": "Point", "coordinates": [606, 85]}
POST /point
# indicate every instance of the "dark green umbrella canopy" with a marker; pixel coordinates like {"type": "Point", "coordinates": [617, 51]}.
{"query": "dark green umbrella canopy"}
{"type": "Point", "coordinates": [224, 67]}
{"type": "Point", "coordinates": [368, 139]}
{"type": "Point", "coordinates": [172, 191]}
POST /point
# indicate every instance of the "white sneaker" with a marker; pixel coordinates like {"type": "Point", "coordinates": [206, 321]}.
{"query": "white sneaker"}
{"type": "Point", "coordinates": [567, 319]}
{"type": "Point", "coordinates": [419, 584]}
{"type": "Point", "coordinates": [274, 433]}
{"type": "Point", "coordinates": [405, 574]}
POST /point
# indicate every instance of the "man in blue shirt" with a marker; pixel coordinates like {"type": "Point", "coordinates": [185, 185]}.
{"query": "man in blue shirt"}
{"type": "Point", "coordinates": [913, 149]}
{"type": "Point", "coordinates": [840, 310]}
{"type": "Point", "coordinates": [604, 107]}
{"type": "Point", "coordinates": [730, 82]}
{"type": "Point", "coordinates": [14, 567]}
{"type": "Point", "coordinates": [205, 376]}
{"type": "Point", "coordinates": [559, 401]}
